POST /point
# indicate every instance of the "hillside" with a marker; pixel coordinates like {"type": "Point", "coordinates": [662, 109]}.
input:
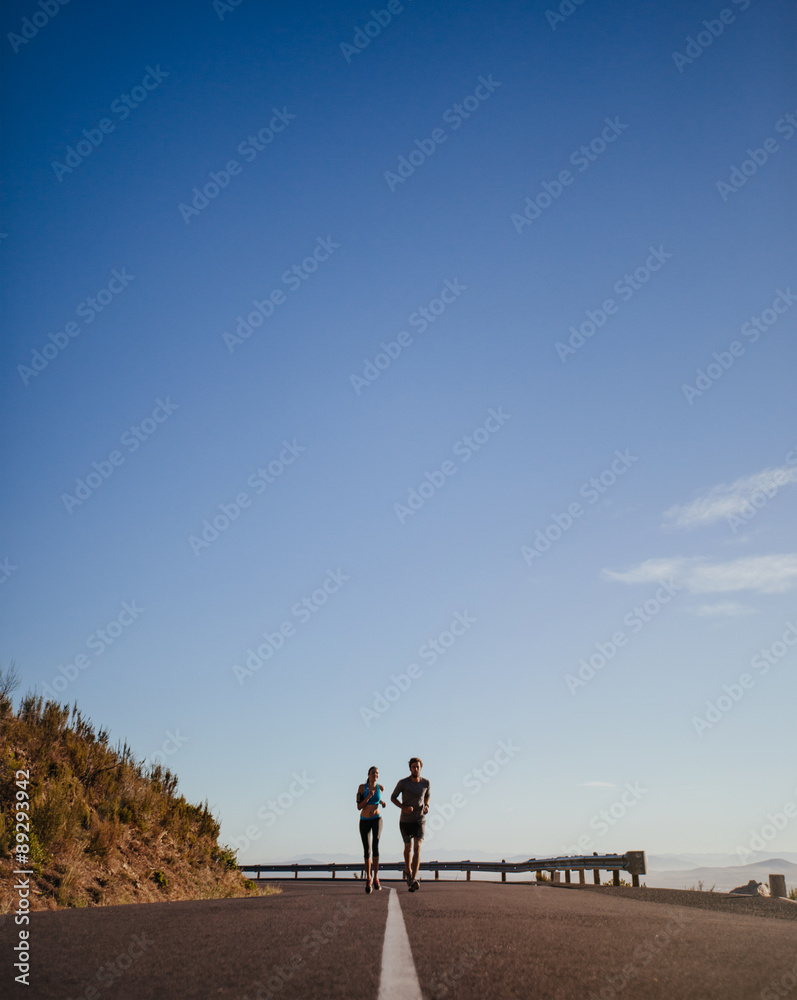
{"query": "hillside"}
{"type": "Point", "coordinates": [103, 828]}
{"type": "Point", "coordinates": [725, 878]}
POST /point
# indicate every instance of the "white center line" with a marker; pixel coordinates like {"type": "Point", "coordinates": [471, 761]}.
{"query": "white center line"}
{"type": "Point", "coordinates": [399, 979]}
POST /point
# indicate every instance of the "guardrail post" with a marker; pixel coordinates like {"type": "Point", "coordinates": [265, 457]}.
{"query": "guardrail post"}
{"type": "Point", "coordinates": [436, 874]}
{"type": "Point", "coordinates": [567, 876]}
{"type": "Point", "coordinates": [582, 877]}
{"type": "Point", "coordinates": [503, 874]}
{"type": "Point", "coordinates": [258, 873]}
{"type": "Point", "coordinates": [467, 875]}
{"type": "Point", "coordinates": [332, 866]}
{"type": "Point", "coordinates": [616, 876]}
{"type": "Point", "coordinates": [777, 886]}
{"type": "Point", "coordinates": [538, 873]}
{"type": "Point", "coordinates": [596, 876]}
{"type": "Point", "coordinates": [635, 880]}
{"type": "Point", "coordinates": [295, 871]}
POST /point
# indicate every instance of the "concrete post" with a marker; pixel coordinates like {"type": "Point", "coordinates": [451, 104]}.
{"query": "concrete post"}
{"type": "Point", "coordinates": [777, 886]}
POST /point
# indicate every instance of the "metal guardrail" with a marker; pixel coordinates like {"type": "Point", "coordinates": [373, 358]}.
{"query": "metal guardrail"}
{"type": "Point", "coordinates": [633, 862]}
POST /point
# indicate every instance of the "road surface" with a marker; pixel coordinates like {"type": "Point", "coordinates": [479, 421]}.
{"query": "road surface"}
{"type": "Point", "coordinates": [469, 941]}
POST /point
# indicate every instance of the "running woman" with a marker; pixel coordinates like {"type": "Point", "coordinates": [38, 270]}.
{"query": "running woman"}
{"type": "Point", "coordinates": [369, 799]}
{"type": "Point", "coordinates": [414, 805]}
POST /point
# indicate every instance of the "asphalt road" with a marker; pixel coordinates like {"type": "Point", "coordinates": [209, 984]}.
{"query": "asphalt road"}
{"type": "Point", "coordinates": [470, 941]}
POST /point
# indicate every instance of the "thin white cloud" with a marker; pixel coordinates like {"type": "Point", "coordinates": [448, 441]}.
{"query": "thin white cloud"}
{"type": "Point", "coordinates": [724, 500]}
{"type": "Point", "coordinates": [651, 571]}
{"type": "Point", "coordinates": [762, 574]}
{"type": "Point", "coordinates": [597, 784]}
{"type": "Point", "coordinates": [728, 609]}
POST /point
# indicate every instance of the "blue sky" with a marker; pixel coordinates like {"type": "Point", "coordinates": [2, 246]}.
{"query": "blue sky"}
{"type": "Point", "coordinates": [518, 400]}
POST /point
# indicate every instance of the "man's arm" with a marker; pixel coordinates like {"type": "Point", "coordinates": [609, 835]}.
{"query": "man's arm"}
{"type": "Point", "coordinates": [427, 794]}
{"type": "Point", "coordinates": [394, 796]}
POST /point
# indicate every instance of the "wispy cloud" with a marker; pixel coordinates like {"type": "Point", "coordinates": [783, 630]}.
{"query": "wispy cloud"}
{"type": "Point", "coordinates": [763, 574]}
{"type": "Point", "coordinates": [725, 499]}
{"type": "Point", "coordinates": [728, 609]}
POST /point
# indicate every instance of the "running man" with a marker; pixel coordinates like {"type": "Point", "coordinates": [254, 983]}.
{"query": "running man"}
{"type": "Point", "coordinates": [414, 805]}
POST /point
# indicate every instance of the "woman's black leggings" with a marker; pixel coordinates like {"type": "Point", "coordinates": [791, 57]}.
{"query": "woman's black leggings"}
{"type": "Point", "coordinates": [372, 825]}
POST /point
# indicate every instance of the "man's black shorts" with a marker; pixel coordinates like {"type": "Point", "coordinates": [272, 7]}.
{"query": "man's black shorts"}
{"type": "Point", "coordinates": [413, 830]}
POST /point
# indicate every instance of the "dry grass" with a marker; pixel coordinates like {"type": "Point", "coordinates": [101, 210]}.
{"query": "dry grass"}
{"type": "Point", "coordinates": [105, 828]}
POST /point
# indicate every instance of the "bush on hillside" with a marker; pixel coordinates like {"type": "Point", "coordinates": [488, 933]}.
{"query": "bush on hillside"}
{"type": "Point", "coordinates": [95, 810]}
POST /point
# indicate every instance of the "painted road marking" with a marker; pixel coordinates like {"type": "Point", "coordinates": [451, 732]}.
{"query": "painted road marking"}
{"type": "Point", "coordinates": [399, 980]}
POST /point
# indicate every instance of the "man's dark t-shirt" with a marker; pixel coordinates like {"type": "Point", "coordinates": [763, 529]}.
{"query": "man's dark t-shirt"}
{"type": "Point", "coordinates": [412, 793]}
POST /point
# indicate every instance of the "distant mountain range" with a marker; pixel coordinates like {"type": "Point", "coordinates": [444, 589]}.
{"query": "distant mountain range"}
{"type": "Point", "coordinates": [656, 862]}
{"type": "Point", "coordinates": [722, 879]}
{"type": "Point", "coordinates": [665, 871]}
